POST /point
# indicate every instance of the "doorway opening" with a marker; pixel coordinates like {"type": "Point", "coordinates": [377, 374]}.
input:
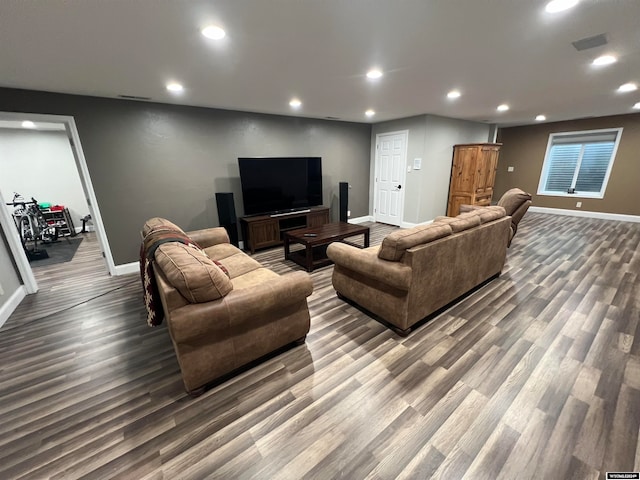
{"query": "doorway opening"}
{"type": "Point", "coordinates": [41, 156]}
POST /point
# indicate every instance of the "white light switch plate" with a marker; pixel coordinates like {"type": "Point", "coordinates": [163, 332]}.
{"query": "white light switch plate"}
{"type": "Point", "coordinates": [417, 163]}
{"type": "Point", "coordinates": [509, 169]}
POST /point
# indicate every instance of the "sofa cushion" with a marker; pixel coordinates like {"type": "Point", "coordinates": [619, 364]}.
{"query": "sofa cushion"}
{"type": "Point", "coordinates": [192, 273]}
{"type": "Point", "coordinates": [396, 243]}
{"type": "Point", "coordinates": [489, 214]}
{"type": "Point", "coordinates": [239, 264]}
{"type": "Point", "coordinates": [222, 267]}
{"type": "Point", "coordinates": [221, 250]}
{"type": "Point", "coordinates": [464, 221]}
{"type": "Point", "coordinates": [254, 278]}
{"type": "Point", "coordinates": [158, 223]}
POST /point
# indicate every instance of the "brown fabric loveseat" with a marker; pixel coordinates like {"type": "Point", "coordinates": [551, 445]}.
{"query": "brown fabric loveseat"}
{"type": "Point", "coordinates": [224, 309]}
{"type": "Point", "coordinates": [417, 271]}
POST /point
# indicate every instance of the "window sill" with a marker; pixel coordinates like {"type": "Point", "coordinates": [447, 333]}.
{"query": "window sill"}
{"type": "Point", "coordinates": [571, 195]}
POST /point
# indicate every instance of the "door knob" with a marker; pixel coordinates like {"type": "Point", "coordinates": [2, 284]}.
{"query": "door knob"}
{"type": "Point", "coordinates": [399, 187]}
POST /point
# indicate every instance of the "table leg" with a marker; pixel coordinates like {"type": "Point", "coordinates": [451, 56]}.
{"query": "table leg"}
{"type": "Point", "coordinates": [286, 247]}
{"type": "Point", "coordinates": [309, 257]}
{"type": "Point", "coordinates": [366, 239]}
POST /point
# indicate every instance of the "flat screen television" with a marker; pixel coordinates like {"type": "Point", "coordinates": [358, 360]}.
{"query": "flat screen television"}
{"type": "Point", "coordinates": [280, 184]}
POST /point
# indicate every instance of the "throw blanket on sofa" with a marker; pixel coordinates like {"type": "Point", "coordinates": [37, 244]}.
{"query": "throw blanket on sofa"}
{"type": "Point", "coordinates": [150, 244]}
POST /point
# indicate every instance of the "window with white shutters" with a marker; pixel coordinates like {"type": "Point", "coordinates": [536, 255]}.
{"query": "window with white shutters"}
{"type": "Point", "coordinates": [579, 163]}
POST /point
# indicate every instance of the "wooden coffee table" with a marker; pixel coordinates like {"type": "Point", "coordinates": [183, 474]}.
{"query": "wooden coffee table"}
{"type": "Point", "coordinates": [317, 239]}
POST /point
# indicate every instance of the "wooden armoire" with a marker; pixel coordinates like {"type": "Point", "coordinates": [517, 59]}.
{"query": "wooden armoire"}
{"type": "Point", "coordinates": [473, 175]}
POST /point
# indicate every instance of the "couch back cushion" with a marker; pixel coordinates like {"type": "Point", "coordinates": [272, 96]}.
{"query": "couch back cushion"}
{"type": "Point", "coordinates": [396, 243]}
{"type": "Point", "coordinates": [464, 221]}
{"type": "Point", "coordinates": [489, 214]}
{"type": "Point", "coordinates": [158, 223]}
{"type": "Point", "coordinates": [192, 273]}
{"type": "Point", "coordinates": [514, 199]}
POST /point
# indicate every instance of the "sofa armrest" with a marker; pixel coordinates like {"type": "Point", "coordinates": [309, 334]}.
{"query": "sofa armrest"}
{"type": "Point", "coordinates": [367, 263]}
{"type": "Point", "coordinates": [240, 308]}
{"type": "Point", "coordinates": [209, 236]}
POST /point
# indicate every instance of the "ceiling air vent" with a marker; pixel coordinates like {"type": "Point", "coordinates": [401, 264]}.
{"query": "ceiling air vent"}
{"type": "Point", "coordinates": [133, 97]}
{"type": "Point", "coordinates": [590, 42]}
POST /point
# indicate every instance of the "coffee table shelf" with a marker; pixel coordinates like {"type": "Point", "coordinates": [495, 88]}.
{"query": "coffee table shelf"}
{"type": "Point", "coordinates": [315, 241]}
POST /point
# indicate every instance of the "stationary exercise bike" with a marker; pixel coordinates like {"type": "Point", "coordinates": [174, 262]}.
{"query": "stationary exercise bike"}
{"type": "Point", "coordinates": [32, 226]}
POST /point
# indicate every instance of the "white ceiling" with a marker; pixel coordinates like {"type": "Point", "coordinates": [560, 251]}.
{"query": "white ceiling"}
{"type": "Point", "coordinates": [493, 51]}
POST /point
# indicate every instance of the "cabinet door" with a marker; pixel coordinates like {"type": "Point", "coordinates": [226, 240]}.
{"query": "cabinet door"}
{"type": "Point", "coordinates": [487, 165]}
{"type": "Point", "coordinates": [463, 170]}
{"type": "Point", "coordinates": [264, 234]}
{"type": "Point", "coordinates": [317, 219]}
{"type": "Point", "coordinates": [492, 168]}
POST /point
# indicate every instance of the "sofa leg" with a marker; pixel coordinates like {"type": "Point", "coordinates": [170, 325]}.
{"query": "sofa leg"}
{"type": "Point", "coordinates": [340, 296]}
{"type": "Point", "coordinates": [197, 392]}
{"type": "Point", "coordinates": [401, 332]}
{"type": "Point", "coordinates": [301, 341]}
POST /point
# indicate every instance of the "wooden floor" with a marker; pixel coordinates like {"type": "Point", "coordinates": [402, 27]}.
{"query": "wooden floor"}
{"type": "Point", "coordinates": [536, 375]}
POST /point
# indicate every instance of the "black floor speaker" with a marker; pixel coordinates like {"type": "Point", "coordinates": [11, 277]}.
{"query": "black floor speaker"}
{"type": "Point", "coordinates": [344, 201]}
{"type": "Point", "coordinates": [227, 215]}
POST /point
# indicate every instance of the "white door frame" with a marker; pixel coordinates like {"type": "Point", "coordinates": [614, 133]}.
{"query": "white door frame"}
{"type": "Point", "coordinates": [15, 245]}
{"type": "Point", "coordinates": [404, 171]}
{"type": "Point", "coordinates": [8, 224]}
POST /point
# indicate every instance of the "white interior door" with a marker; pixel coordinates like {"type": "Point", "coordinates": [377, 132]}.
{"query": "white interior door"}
{"type": "Point", "coordinates": [391, 161]}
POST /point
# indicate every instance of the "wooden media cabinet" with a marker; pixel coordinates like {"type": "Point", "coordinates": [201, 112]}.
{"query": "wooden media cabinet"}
{"type": "Point", "coordinates": [263, 231]}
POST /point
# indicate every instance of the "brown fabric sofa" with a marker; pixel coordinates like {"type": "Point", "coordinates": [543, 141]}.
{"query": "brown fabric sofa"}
{"type": "Point", "coordinates": [417, 271]}
{"type": "Point", "coordinates": [224, 309]}
{"type": "Point", "coordinates": [515, 202]}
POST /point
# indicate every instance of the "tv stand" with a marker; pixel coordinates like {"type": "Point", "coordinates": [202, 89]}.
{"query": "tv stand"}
{"type": "Point", "coordinates": [289, 213]}
{"type": "Point", "coordinates": [263, 231]}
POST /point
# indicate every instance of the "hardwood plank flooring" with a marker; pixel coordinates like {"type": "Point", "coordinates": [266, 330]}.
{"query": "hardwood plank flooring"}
{"type": "Point", "coordinates": [536, 375]}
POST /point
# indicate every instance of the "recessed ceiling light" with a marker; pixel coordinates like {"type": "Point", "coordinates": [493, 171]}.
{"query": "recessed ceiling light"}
{"type": "Point", "coordinates": [175, 87]}
{"type": "Point", "coordinates": [636, 106]}
{"type": "Point", "coordinates": [555, 6]}
{"type": "Point", "coordinates": [628, 87]}
{"type": "Point", "coordinates": [453, 94]}
{"type": "Point", "coordinates": [295, 103]}
{"type": "Point", "coordinates": [540, 118]}
{"type": "Point", "coordinates": [213, 32]}
{"type": "Point", "coordinates": [28, 124]}
{"type": "Point", "coordinates": [604, 60]}
{"type": "Point", "coordinates": [503, 108]}
{"type": "Point", "coordinates": [370, 113]}
{"type": "Point", "coordinates": [375, 73]}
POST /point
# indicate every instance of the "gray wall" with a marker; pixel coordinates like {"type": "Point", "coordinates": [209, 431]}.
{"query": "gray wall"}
{"type": "Point", "coordinates": [431, 138]}
{"type": "Point", "coordinates": [148, 159]}
{"type": "Point", "coordinates": [9, 278]}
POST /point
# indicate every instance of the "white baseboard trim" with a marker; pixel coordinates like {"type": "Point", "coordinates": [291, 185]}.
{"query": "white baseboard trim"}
{"type": "Point", "coordinates": [367, 218]}
{"type": "Point", "coordinates": [127, 268]}
{"type": "Point", "coordinates": [10, 305]}
{"type": "Point", "coordinates": [582, 213]}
